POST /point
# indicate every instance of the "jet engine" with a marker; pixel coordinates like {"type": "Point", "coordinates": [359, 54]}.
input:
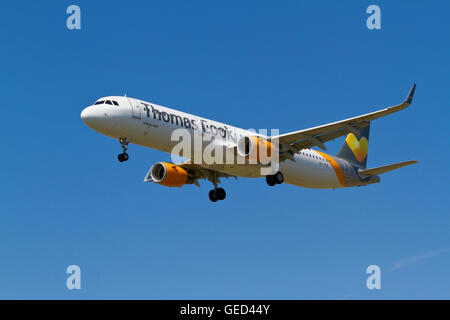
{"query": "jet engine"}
{"type": "Point", "coordinates": [168, 174]}
{"type": "Point", "coordinates": [255, 149]}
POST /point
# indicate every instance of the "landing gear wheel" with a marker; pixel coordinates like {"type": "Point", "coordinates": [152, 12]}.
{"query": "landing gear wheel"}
{"type": "Point", "coordinates": [271, 180]}
{"type": "Point", "coordinates": [213, 196]}
{"type": "Point", "coordinates": [220, 193]}
{"type": "Point", "coordinates": [274, 179]}
{"type": "Point", "coordinates": [124, 145]}
{"type": "Point", "coordinates": [279, 178]}
{"type": "Point", "coordinates": [123, 157]}
{"type": "Point", "coordinates": [217, 194]}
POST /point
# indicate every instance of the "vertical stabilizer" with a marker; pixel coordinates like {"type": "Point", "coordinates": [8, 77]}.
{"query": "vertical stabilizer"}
{"type": "Point", "coordinates": [356, 147]}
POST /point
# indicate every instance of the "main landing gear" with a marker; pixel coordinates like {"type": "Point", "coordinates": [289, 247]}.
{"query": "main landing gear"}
{"type": "Point", "coordinates": [124, 145]}
{"type": "Point", "coordinates": [274, 179]}
{"type": "Point", "coordinates": [216, 193]}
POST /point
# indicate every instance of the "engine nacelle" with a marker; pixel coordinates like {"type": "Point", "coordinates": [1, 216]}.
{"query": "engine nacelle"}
{"type": "Point", "coordinates": [256, 149]}
{"type": "Point", "coordinates": [168, 174]}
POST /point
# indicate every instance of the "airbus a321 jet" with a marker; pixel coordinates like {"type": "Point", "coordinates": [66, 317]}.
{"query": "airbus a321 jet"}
{"type": "Point", "coordinates": [143, 123]}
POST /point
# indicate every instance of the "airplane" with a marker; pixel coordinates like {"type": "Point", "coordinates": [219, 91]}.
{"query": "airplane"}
{"type": "Point", "coordinates": [147, 124]}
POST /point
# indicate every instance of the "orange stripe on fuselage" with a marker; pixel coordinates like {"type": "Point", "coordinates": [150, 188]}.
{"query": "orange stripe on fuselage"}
{"type": "Point", "coordinates": [335, 166]}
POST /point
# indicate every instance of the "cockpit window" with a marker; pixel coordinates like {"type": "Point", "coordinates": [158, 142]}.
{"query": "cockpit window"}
{"type": "Point", "coordinates": [111, 102]}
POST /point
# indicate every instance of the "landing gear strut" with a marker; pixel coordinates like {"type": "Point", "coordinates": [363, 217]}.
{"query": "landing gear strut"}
{"type": "Point", "coordinates": [124, 145]}
{"type": "Point", "coordinates": [216, 193]}
{"type": "Point", "coordinates": [274, 179]}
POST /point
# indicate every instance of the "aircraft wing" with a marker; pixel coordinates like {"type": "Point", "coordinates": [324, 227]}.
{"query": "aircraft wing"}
{"type": "Point", "coordinates": [317, 136]}
{"type": "Point", "coordinates": [197, 172]}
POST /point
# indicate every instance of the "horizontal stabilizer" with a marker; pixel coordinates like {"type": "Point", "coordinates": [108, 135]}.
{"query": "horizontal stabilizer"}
{"type": "Point", "coordinates": [384, 169]}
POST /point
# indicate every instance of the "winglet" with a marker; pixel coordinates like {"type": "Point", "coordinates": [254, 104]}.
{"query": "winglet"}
{"type": "Point", "coordinates": [411, 94]}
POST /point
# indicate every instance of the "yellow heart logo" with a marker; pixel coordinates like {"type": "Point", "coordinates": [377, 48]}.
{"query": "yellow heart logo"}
{"type": "Point", "coordinates": [359, 148]}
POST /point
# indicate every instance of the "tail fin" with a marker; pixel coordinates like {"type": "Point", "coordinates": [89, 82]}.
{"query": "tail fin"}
{"type": "Point", "coordinates": [356, 146]}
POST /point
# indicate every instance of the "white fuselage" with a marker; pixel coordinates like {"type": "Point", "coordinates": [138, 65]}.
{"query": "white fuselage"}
{"type": "Point", "coordinates": [152, 126]}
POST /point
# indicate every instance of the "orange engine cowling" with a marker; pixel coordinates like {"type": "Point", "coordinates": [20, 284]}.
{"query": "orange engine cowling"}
{"type": "Point", "coordinates": [169, 174]}
{"type": "Point", "coordinates": [256, 149]}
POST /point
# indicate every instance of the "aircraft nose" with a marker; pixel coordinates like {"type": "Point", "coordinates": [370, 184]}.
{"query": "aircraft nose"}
{"type": "Point", "coordinates": [86, 115]}
{"type": "Point", "coordinates": [91, 117]}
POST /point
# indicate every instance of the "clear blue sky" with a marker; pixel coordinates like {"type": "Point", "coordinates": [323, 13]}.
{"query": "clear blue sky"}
{"type": "Point", "coordinates": [65, 199]}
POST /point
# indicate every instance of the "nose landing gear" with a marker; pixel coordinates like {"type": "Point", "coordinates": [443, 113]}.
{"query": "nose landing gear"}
{"type": "Point", "coordinates": [124, 145]}
{"type": "Point", "coordinates": [274, 179]}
